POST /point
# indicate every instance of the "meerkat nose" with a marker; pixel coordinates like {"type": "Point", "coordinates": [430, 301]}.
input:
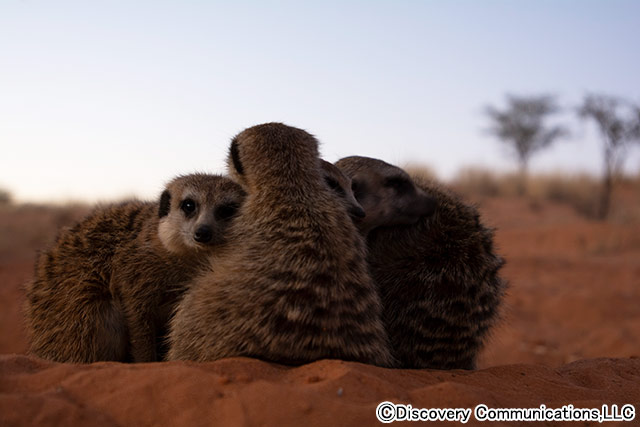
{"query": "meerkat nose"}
{"type": "Point", "coordinates": [357, 212]}
{"type": "Point", "coordinates": [203, 234]}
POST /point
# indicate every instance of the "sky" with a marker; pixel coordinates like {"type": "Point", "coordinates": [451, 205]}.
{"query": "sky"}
{"type": "Point", "coordinates": [108, 99]}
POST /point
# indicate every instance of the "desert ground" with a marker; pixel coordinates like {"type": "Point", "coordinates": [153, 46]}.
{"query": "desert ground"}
{"type": "Point", "coordinates": [570, 334]}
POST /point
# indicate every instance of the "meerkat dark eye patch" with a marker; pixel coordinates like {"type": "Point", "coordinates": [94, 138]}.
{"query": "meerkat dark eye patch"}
{"type": "Point", "coordinates": [165, 204]}
{"type": "Point", "coordinates": [400, 183]}
{"type": "Point", "coordinates": [227, 211]}
{"type": "Point", "coordinates": [334, 185]}
{"type": "Point", "coordinates": [359, 189]}
{"type": "Point", "coordinates": [235, 157]}
{"type": "Point", "coordinates": [188, 206]}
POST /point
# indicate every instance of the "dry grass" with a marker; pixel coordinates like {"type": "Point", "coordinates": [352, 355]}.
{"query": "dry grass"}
{"type": "Point", "coordinates": [580, 191]}
{"type": "Point", "coordinates": [27, 226]}
{"type": "Point", "coordinates": [478, 182]}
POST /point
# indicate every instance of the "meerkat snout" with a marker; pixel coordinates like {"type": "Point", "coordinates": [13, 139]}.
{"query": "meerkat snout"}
{"type": "Point", "coordinates": [357, 212]}
{"type": "Point", "coordinates": [208, 229]}
{"type": "Point", "coordinates": [353, 207]}
{"type": "Point", "coordinates": [191, 218]}
{"type": "Point", "coordinates": [413, 203]}
{"type": "Point", "coordinates": [203, 234]}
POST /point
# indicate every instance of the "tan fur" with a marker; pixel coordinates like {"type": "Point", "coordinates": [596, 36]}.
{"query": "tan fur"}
{"type": "Point", "coordinates": [335, 178]}
{"type": "Point", "coordinates": [438, 278]}
{"type": "Point", "coordinates": [293, 285]}
{"type": "Point", "coordinates": [105, 289]}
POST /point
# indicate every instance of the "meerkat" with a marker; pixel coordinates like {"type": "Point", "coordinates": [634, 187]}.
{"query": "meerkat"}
{"type": "Point", "coordinates": [388, 192]}
{"type": "Point", "coordinates": [293, 285]}
{"type": "Point", "coordinates": [438, 278]}
{"type": "Point", "coordinates": [106, 288]}
{"type": "Point", "coordinates": [337, 181]}
{"type": "Point", "coordinates": [341, 184]}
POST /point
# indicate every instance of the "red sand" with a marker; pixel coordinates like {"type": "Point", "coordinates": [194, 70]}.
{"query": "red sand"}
{"type": "Point", "coordinates": [574, 296]}
{"type": "Point", "coordinates": [241, 391]}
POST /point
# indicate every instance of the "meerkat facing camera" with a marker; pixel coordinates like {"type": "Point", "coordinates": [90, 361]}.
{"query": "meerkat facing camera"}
{"type": "Point", "coordinates": [106, 288]}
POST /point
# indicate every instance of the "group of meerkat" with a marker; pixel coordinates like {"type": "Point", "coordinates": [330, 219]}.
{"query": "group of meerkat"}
{"type": "Point", "coordinates": [289, 259]}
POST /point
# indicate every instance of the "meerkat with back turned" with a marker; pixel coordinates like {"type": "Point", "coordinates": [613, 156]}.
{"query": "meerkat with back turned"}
{"type": "Point", "coordinates": [438, 277]}
{"type": "Point", "coordinates": [293, 285]}
{"type": "Point", "coordinates": [106, 288]}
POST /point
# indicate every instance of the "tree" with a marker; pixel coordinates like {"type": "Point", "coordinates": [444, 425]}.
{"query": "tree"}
{"type": "Point", "coordinates": [619, 124]}
{"type": "Point", "coordinates": [522, 125]}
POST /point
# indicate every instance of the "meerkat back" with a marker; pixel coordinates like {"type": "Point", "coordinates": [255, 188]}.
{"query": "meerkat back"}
{"type": "Point", "coordinates": [293, 286]}
{"type": "Point", "coordinates": [438, 276]}
{"type": "Point", "coordinates": [70, 314]}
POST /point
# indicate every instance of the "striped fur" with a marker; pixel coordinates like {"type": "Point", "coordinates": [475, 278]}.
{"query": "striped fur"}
{"type": "Point", "coordinates": [292, 286]}
{"type": "Point", "coordinates": [438, 279]}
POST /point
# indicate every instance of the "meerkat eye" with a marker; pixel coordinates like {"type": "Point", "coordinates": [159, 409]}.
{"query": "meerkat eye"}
{"type": "Point", "coordinates": [398, 182]}
{"type": "Point", "coordinates": [334, 185]}
{"type": "Point", "coordinates": [226, 211]}
{"type": "Point", "coordinates": [188, 206]}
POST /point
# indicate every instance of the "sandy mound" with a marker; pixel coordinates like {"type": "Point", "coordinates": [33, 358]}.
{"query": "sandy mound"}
{"type": "Point", "coordinates": [241, 391]}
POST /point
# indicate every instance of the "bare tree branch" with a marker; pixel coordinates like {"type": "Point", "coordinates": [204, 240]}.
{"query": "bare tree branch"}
{"type": "Point", "coordinates": [619, 124]}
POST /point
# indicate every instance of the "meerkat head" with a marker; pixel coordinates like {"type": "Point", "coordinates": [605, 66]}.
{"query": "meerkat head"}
{"type": "Point", "coordinates": [340, 183]}
{"type": "Point", "coordinates": [387, 193]}
{"type": "Point", "coordinates": [273, 153]}
{"type": "Point", "coordinates": [195, 211]}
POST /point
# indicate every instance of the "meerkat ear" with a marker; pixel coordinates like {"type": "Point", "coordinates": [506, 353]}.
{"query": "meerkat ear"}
{"type": "Point", "coordinates": [235, 157]}
{"type": "Point", "coordinates": [165, 204]}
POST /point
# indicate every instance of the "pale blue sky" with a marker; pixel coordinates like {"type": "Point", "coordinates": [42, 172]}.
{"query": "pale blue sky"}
{"type": "Point", "coordinates": [104, 99]}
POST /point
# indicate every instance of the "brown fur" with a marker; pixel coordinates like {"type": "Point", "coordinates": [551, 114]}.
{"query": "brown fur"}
{"type": "Point", "coordinates": [339, 182]}
{"type": "Point", "coordinates": [386, 192]}
{"type": "Point", "coordinates": [438, 280]}
{"type": "Point", "coordinates": [105, 289]}
{"type": "Point", "coordinates": [293, 286]}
